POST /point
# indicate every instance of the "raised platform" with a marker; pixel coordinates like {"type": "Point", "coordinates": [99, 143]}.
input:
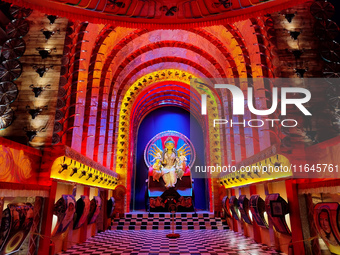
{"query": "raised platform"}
{"type": "Point", "coordinates": [161, 221]}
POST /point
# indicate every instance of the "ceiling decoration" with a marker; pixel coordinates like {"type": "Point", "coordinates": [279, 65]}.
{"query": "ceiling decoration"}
{"type": "Point", "coordinates": [158, 13]}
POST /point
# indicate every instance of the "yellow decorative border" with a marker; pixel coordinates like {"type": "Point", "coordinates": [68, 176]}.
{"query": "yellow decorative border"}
{"type": "Point", "coordinates": [241, 178]}
{"type": "Point", "coordinates": [67, 169]}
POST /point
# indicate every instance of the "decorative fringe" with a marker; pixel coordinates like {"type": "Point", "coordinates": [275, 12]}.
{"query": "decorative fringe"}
{"type": "Point", "coordinates": [230, 17]}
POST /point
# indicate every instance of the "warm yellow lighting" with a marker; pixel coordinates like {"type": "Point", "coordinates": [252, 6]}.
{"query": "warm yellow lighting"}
{"type": "Point", "coordinates": [244, 177]}
{"type": "Point", "coordinates": [54, 222]}
{"type": "Point", "coordinates": [265, 215]}
{"type": "Point", "coordinates": [67, 169]}
{"type": "Point", "coordinates": [287, 218]}
{"type": "Point", "coordinates": [250, 215]}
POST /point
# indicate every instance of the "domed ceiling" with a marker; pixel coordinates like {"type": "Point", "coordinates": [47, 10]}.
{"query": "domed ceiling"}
{"type": "Point", "coordinates": [158, 13]}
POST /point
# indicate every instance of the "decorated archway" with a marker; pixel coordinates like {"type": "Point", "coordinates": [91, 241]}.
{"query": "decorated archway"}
{"type": "Point", "coordinates": [173, 89]}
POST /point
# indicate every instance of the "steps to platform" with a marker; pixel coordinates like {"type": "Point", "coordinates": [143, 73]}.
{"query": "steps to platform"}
{"type": "Point", "coordinates": [162, 221]}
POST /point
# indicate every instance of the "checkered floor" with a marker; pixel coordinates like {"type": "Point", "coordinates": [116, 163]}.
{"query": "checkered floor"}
{"type": "Point", "coordinates": [152, 242]}
{"type": "Point", "coordinates": [161, 221]}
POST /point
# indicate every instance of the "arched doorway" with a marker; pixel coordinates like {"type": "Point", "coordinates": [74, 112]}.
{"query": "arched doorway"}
{"type": "Point", "coordinates": [162, 119]}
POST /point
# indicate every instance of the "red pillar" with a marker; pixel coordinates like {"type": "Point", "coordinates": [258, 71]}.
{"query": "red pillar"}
{"type": "Point", "coordinates": [46, 227]}
{"type": "Point", "coordinates": [295, 217]}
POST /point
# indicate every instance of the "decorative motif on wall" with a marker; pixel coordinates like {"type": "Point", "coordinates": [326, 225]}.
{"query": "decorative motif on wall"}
{"type": "Point", "coordinates": [257, 208]}
{"type": "Point", "coordinates": [16, 223]}
{"type": "Point", "coordinates": [16, 166]}
{"type": "Point", "coordinates": [51, 18]}
{"type": "Point", "coordinates": [95, 207]}
{"type": "Point", "coordinates": [83, 210]}
{"type": "Point", "coordinates": [169, 11]}
{"type": "Point", "coordinates": [184, 202]}
{"type": "Point", "coordinates": [225, 206]}
{"type": "Point", "coordinates": [18, 28]}
{"type": "Point", "coordinates": [37, 90]}
{"type": "Point", "coordinates": [327, 225]}
{"type": "Point", "coordinates": [322, 10]}
{"type": "Point", "coordinates": [243, 203]}
{"type": "Point", "coordinates": [8, 92]}
{"type": "Point", "coordinates": [327, 31]}
{"type": "Point", "coordinates": [295, 51]}
{"type": "Point", "coordinates": [296, 64]}
{"type": "Point", "coordinates": [48, 34]}
{"type": "Point", "coordinates": [31, 133]}
{"type": "Point", "coordinates": [64, 209]}
{"type": "Point", "coordinates": [170, 200]}
{"type": "Point", "coordinates": [35, 111]}
{"type": "Point", "coordinates": [19, 13]}
{"type": "Point", "coordinates": [6, 116]}
{"type": "Point", "coordinates": [10, 68]}
{"type": "Point", "coordinates": [41, 69]}
{"type": "Point", "coordinates": [45, 52]}
{"type": "Point", "coordinates": [277, 208]}
{"type": "Point", "coordinates": [225, 3]}
{"type": "Point", "coordinates": [157, 202]}
{"type": "Point", "coordinates": [68, 81]}
{"type": "Point", "coordinates": [234, 208]}
{"type": "Point", "coordinates": [13, 48]}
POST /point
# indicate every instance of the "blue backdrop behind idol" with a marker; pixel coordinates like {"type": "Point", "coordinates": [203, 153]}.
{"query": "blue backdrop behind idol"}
{"type": "Point", "coordinates": [159, 120]}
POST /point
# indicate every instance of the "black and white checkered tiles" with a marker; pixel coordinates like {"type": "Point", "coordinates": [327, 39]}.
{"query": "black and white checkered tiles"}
{"type": "Point", "coordinates": [161, 221]}
{"type": "Point", "coordinates": [152, 242]}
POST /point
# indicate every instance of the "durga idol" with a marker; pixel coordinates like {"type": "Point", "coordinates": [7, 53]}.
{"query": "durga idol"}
{"type": "Point", "coordinates": [169, 159]}
{"type": "Point", "coordinates": [170, 163]}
